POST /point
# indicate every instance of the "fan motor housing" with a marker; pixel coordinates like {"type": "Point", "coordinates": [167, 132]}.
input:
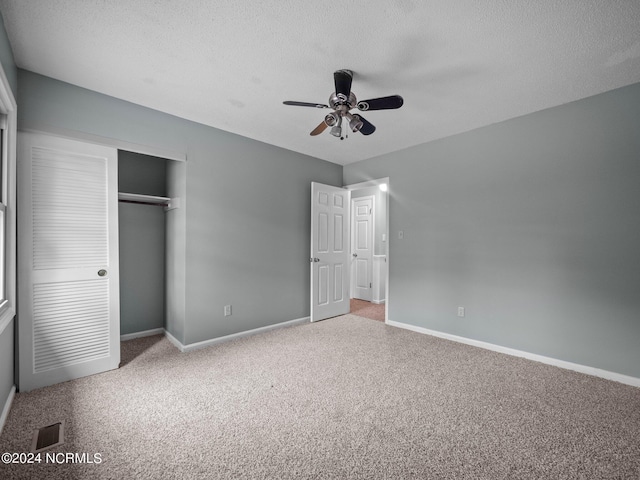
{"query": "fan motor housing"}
{"type": "Point", "coordinates": [335, 101]}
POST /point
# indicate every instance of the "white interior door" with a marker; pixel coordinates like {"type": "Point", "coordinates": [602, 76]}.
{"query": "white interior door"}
{"type": "Point", "coordinates": [329, 251]}
{"type": "Point", "coordinates": [69, 323]}
{"type": "Point", "coordinates": [362, 248]}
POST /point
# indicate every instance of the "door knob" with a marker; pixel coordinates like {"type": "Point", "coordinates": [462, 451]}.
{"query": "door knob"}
{"type": "Point", "coordinates": [355, 254]}
{"type": "Point", "coordinates": [102, 273]}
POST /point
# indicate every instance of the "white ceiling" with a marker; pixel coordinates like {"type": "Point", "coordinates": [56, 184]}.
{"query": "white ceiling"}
{"type": "Point", "coordinates": [459, 64]}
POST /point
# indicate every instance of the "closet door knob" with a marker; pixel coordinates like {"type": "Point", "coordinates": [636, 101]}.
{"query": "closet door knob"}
{"type": "Point", "coordinates": [355, 254]}
{"type": "Point", "coordinates": [102, 273]}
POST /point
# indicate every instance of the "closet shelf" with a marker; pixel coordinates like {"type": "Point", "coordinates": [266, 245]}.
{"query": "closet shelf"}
{"type": "Point", "coordinates": [168, 203]}
{"type": "Point", "coordinates": [136, 197]}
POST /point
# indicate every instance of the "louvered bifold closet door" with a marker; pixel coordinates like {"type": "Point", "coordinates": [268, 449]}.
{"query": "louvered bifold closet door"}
{"type": "Point", "coordinates": [69, 299]}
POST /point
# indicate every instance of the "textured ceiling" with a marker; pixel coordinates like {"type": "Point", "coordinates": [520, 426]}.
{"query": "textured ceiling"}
{"type": "Point", "coordinates": [459, 64]}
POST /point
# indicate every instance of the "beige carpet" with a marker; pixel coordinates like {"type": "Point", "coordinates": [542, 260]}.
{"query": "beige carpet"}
{"type": "Point", "coordinates": [340, 399]}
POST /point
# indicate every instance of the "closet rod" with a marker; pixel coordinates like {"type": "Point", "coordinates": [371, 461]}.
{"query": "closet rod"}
{"type": "Point", "coordinates": [155, 204]}
{"type": "Point", "coordinates": [146, 200]}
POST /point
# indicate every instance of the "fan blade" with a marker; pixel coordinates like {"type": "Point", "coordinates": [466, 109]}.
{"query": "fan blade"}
{"type": "Point", "coordinates": [342, 79]}
{"type": "Point", "coordinates": [306, 104]}
{"type": "Point", "coordinates": [367, 128]}
{"type": "Point", "coordinates": [319, 129]}
{"type": "Point", "coordinates": [382, 103]}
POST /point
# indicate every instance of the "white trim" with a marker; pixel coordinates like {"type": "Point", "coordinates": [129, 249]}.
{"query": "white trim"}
{"type": "Point", "coordinates": [367, 184]}
{"type": "Point", "coordinates": [8, 108]}
{"type": "Point", "coordinates": [227, 338]}
{"type": "Point", "coordinates": [597, 372]}
{"type": "Point", "coordinates": [7, 407]}
{"type": "Point", "coordinates": [379, 275]}
{"type": "Point", "coordinates": [144, 333]}
{"type": "Point", "coordinates": [174, 340]}
{"type": "Point", "coordinates": [163, 153]}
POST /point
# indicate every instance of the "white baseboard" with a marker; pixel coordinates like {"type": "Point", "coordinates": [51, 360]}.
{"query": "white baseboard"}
{"type": "Point", "coordinates": [7, 407]}
{"type": "Point", "coordinates": [378, 302]}
{"type": "Point", "coordinates": [176, 343]}
{"type": "Point", "coordinates": [206, 343]}
{"type": "Point", "coordinates": [597, 372]}
{"type": "Point", "coordinates": [145, 333]}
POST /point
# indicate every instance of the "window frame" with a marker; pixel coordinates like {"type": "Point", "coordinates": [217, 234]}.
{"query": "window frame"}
{"type": "Point", "coordinates": [8, 110]}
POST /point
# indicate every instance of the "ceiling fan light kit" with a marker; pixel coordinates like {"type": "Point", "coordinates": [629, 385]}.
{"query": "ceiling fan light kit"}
{"type": "Point", "coordinates": [355, 124]}
{"type": "Point", "coordinates": [332, 119]}
{"type": "Point", "coordinates": [342, 101]}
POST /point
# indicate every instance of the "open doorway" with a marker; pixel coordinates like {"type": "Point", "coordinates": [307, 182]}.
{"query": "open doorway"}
{"type": "Point", "coordinates": [369, 286]}
{"type": "Point", "coordinates": [152, 252]}
{"type": "Point", "coordinates": [143, 201]}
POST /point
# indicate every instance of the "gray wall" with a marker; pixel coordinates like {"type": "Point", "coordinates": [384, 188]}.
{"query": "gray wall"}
{"type": "Point", "coordinates": [6, 363]}
{"type": "Point", "coordinates": [141, 244]}
{"type": "Point", "coordinates": [532, 224]}
{"type": "Point", "coordinates": [176, 246]}
{"type": "Point", "coordinates": [7, 336]}
{"type": "Point", "coordinates": [246, 219]}
{"type": "Point", "coordinates": [142, 267]}
{"type": "Point", "coordinates": [142, 174]}
{"type": "Point", "coordinates": [380, 214]}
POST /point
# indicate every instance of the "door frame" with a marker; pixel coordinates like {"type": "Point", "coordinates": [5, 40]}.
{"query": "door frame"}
{"type": "Point", "coordinates": [373, 183]}
{"type": "Point", "coordinates": [352, 283]}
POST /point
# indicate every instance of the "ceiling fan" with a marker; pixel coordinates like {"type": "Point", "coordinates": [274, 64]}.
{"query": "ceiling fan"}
{"type": "Point", "coordinates": [342, 101]}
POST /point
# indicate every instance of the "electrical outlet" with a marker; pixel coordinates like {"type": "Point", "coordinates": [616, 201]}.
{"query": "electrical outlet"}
{"type": "Point", "coordinates": [400, 234]}
{"type": "Point", "coordinates": [227, 310]}
{"type": "Point", "coordinates": [461, 311]}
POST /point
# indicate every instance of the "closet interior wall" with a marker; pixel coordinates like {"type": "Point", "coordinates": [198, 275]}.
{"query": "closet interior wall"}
{"type": "Point", "coordinates": [142, 232]}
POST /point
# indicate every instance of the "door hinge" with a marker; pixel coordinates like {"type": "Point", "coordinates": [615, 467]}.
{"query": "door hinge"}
{"type": "Point", "coordinates": [369, 284]}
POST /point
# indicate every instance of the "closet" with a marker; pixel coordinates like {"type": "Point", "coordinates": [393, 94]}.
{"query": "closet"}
{"type": "Point", "coordinates": [95, 265]}
{"type": "Point", "coordinates": [142, 206]}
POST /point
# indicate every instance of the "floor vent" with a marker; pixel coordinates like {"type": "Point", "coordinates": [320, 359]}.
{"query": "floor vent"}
{"type": "Point", "coordinates": [47, 437]}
